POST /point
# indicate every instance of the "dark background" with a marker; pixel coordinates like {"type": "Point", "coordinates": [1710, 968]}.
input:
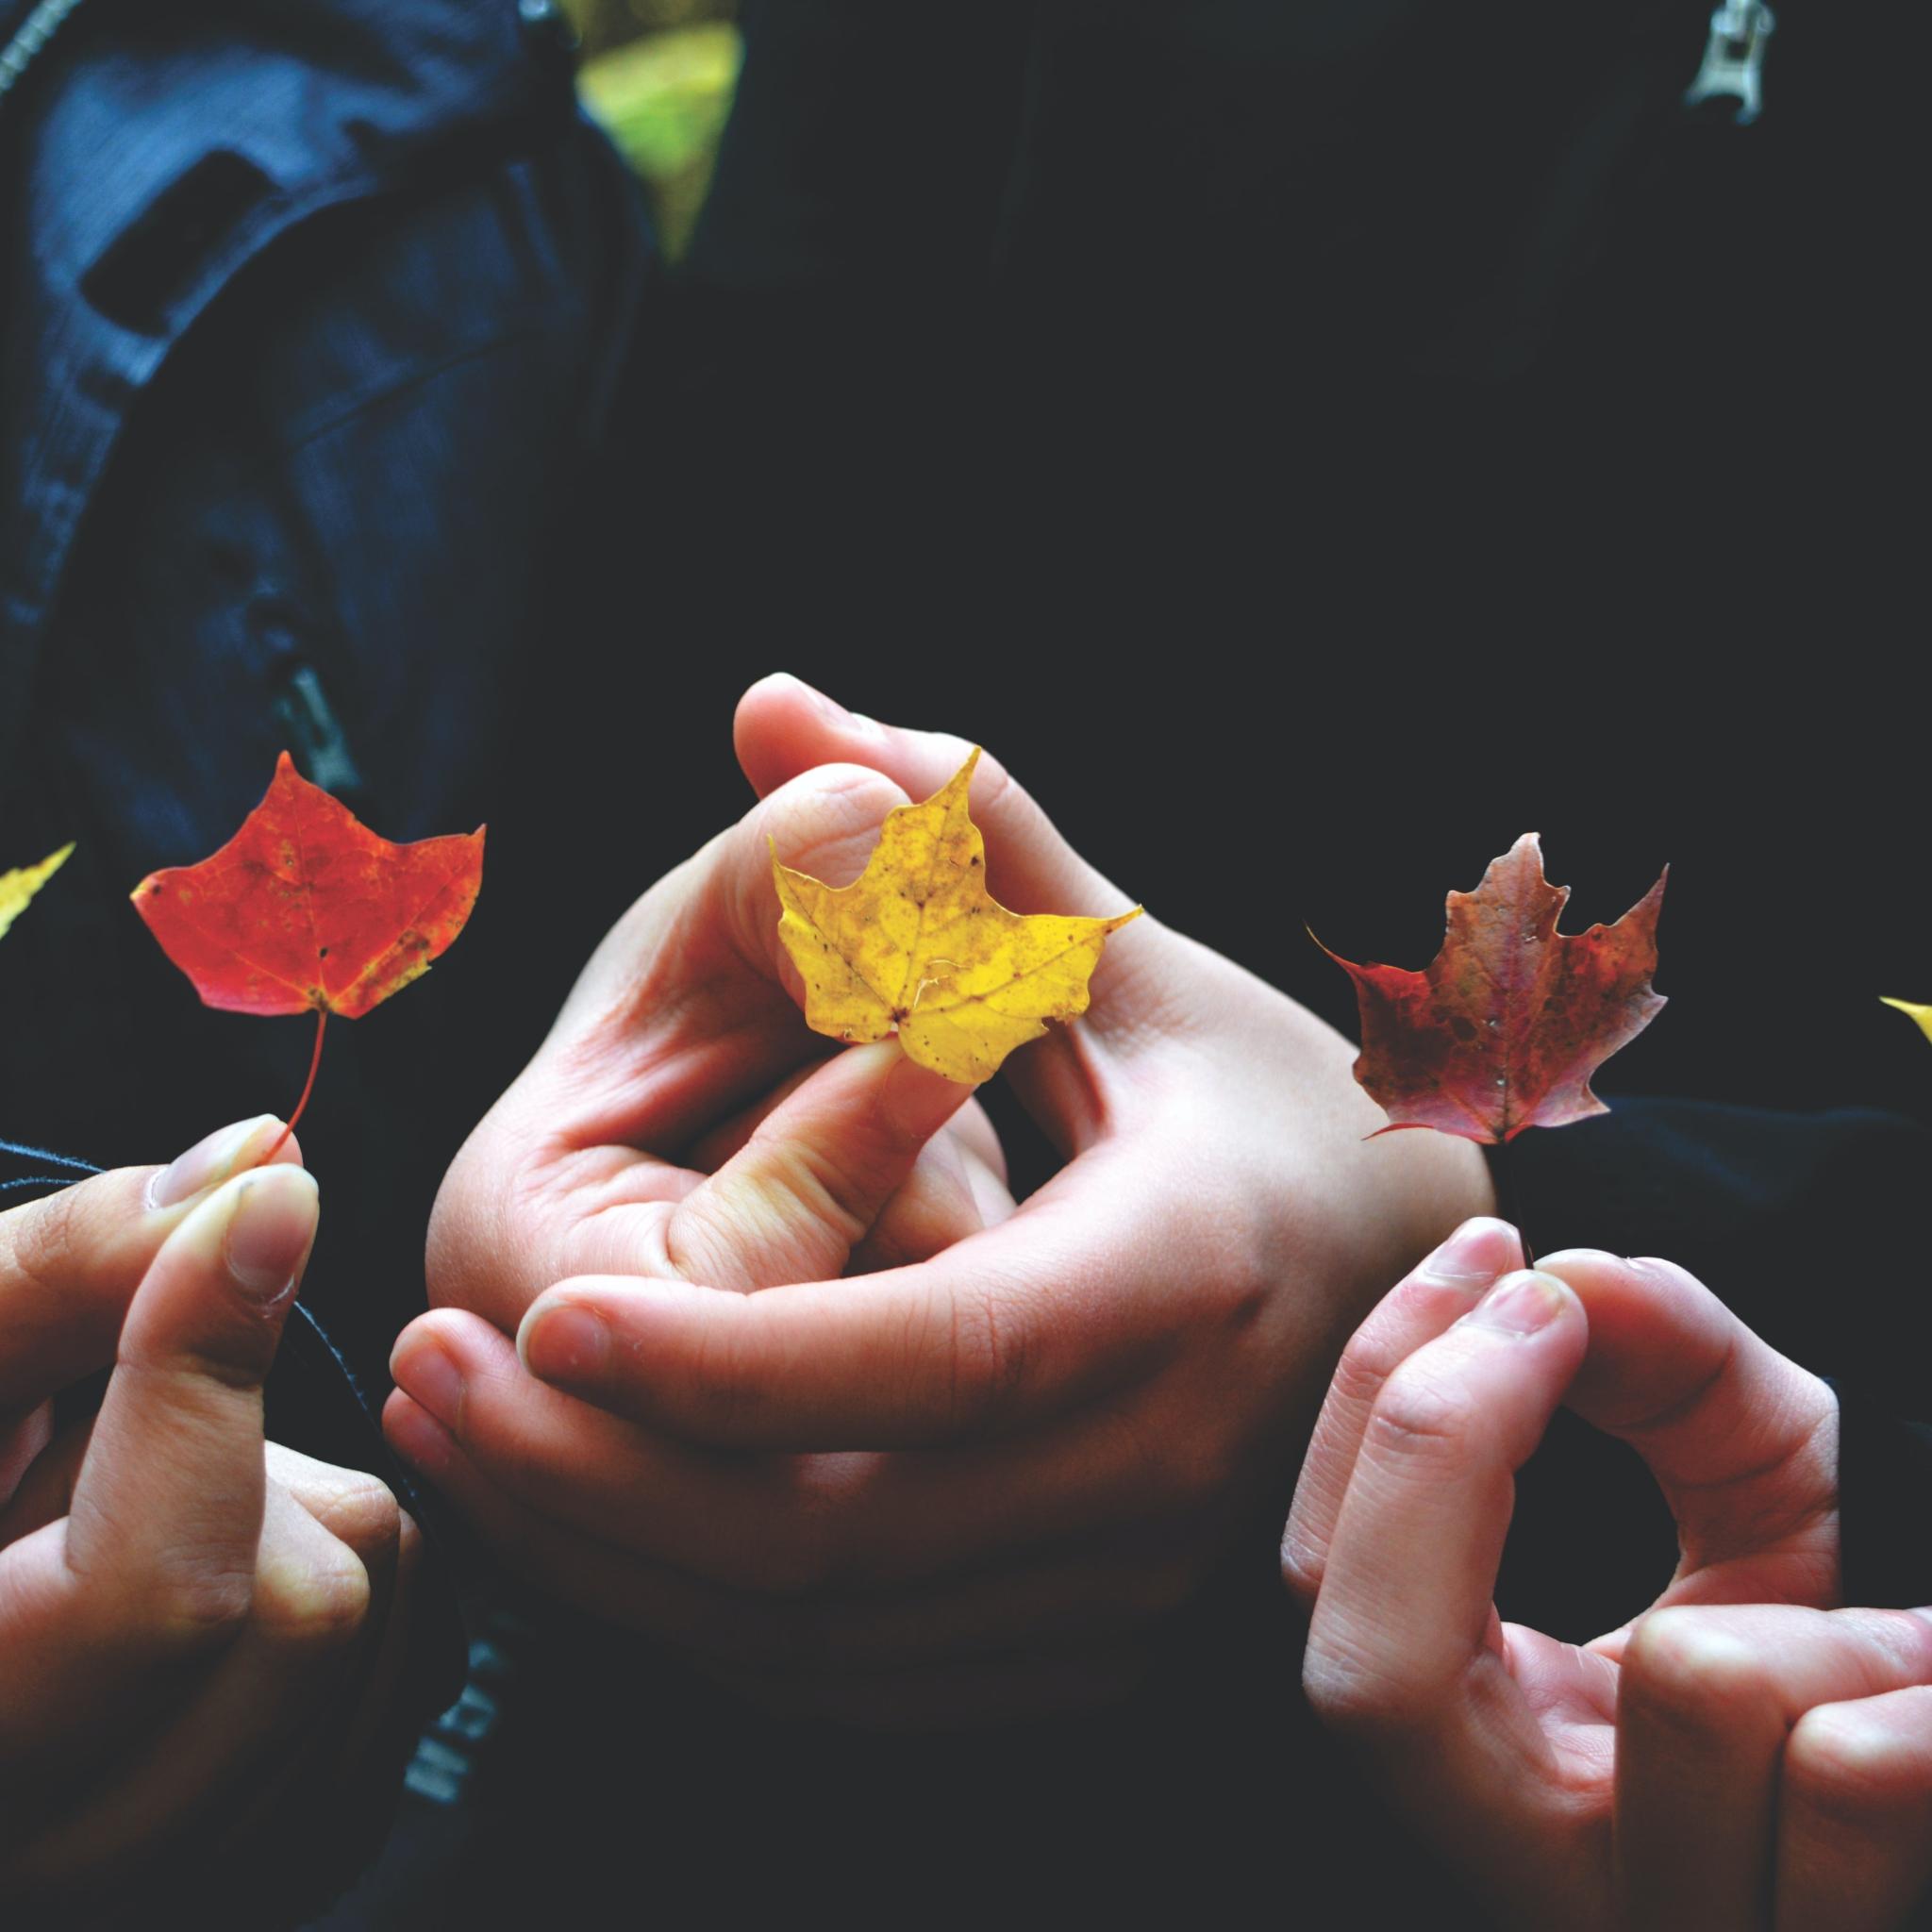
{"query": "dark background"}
{"type": "Point", "coordinates": [1310, 446]}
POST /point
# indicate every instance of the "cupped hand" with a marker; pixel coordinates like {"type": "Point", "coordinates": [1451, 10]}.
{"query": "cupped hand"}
{"type": "Point", "coordinates": [1745, 1755]}
{"type": "Point", "coordinates": [191, 1622]}
{"type": "Point", "coordinates": [959, 1489]}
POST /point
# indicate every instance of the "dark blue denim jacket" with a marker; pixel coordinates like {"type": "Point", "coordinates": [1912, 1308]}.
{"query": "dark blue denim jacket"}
{"type": "Point", "coordinates": [312, 318]}
{"type": "Point", "coordinates": [313, 315]}
{"type": "Point", "coordinates": [150, 164]}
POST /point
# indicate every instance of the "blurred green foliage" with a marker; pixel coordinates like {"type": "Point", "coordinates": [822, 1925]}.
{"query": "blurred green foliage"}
{"type": "Point", "coordinates": [660, 75]}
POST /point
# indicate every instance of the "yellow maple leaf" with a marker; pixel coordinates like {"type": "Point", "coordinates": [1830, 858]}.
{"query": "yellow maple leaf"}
{"type": "Point", "coordinates": [17, 888]}
{"type": "Point", "coordinates": [918, 947]}
{"type": "Point", "coordinates": [1921, 1014]}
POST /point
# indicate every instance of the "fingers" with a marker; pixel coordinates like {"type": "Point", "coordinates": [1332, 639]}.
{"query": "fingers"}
{"type": "Point", "coordinates": [1405, 1611]}
{"type": "Point", "coordinates": [807, 1186]}
{"type": "Point", "coordinates": [249, 1726]}
{"type": "Point", "coordinates": [704, 940]}
{"type": "Point", "coordinates": [1709, 1696]}
{"type": "Point", "coordinates": [358, 1511]}
{"type": "Point", "coordinates": [951, 1193]}
{"type": "Point", "coordinates": [1003, 1330]}
{"type": "Point", "coordinates": [957, 1187]}
{"type": "Point", "coordinates": [1742, 1442]}
{"type": "Point", "coordinates": [1444, 1287]}
{"type": "Point", "coordinates": [21, 1443]}
{"type": "Point", "coordinates": [681, 1018]}
{"type": "Point", "coordinates": [784, 728]}
{"type": "Point", "coordinates": [362, 1513]}
{"type": "Point", "coordinates": [1148, 980]}
{"type": "Point", "coordinates": [166, 1510]}
{"type": "Point", "coordinates": [354, 1507]}
{"type": "Point", "coordinates": [783, 1525]}
{"type": "Point", "coordinates": [1091, 1590]}
{"type": "Point", "coordinates": [70, 1263]}
{"type": "Point", "coordinates": [1855, 1815]}
{"type": "Point", "coordinates": [376, 1718]}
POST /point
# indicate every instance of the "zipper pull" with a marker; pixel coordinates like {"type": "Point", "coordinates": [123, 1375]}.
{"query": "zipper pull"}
{"type": "Point", "coordinates": [321, 747]}
{"type": "Point", "coordinates": [1734, 59]}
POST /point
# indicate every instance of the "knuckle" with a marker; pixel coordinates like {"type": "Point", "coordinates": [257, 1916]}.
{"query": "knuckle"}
{"type": "Point", "coordinates": [41, 1243]}
{"type": "Point", "coordinates": [717, 1395]}
{"type": "Point", "coordinates": [197, 1608]}
{"type": "Point", "coordinates": [360, 1512]}
{"type": "Point", "coordinates": [1420, 1417]}
{"type": "Point", "coordinates": [1690, 1667]}
{"type": "Point", "coordinates": [1366, 1364]}
{"type": "Point", "coordinates": [315, 1604]}
{"type": "Point", "coordinates": [1847, 1767]}
{"type": "Point", "coordinates": [837, 1188]}
{"type": "Point", "coordinates": [1351, 1699]}
{"type": "Point", "coordinates": [223, 1340]}
{"type": "Point", "coordinates": [824, 821]}
{"type": "Point", "coordinates": [987, 1357]}
{"type": "Point", "coordinates": [1240, 1295]}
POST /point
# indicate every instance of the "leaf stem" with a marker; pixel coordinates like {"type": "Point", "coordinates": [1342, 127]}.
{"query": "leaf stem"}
{"type": "Point", "coordinates": [309, 1088]}
{"type": "Point", "coordinates": [1503, 1172]}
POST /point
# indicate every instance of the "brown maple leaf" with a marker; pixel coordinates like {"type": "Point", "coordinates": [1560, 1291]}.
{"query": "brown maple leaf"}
{"type": "Point", "coordinates": [1506, 1026]}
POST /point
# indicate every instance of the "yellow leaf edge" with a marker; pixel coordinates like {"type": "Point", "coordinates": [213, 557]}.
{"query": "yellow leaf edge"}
{"type": "Point", "coordinates": [1921, 1014]}
{"type": "Point", "coordinates": [18, 888]}
{"type": "Point", "coordinates": [797, 931]}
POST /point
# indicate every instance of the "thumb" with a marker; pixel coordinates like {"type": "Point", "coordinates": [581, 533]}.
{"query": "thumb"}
{"type": "Point", "coordinates": [784, 728]}
{"type": "Point", "coordinates": [696, 950]}
{"type": "Point", "coordinates": [794, 1201]}
{"type": "Point", "coordinates": [168, 1504]}
{"type": "Point", "coordinates": [70, 1263]}
{"type": "Point", "coordinates": [1742, 1442]}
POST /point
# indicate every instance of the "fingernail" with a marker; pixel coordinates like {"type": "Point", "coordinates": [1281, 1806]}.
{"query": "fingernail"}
{"type": "Point", "coordinates": [826, 706]}
{"type": "Point", "coordinates": [1520, 1303]}
{"type": "Point", "coordinates": [1662, 1270]}
{"type": "Point", "coordinates": [210, 1161]}
{"type": "Point", "coordinates": [565, 1343]}
{"type": "Point", "coordinates": [1585, 1257]}
{"type": "Point", "coordinates": [427, 1374]}
{"type": "Point", "coordinates": [1475, 1255]}
{"type": "Point", "coordinates": [917, 1102]}
{"type": "Point", "coordinates": [270, 1229]}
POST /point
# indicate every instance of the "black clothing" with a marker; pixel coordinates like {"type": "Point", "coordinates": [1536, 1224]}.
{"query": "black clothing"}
{"type": "Point", "coordinates": [1213, 406]}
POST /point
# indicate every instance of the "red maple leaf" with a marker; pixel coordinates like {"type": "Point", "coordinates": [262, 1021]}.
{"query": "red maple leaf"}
{"type": "Point", "coordinates": [305, 909]}
{"type": "Point", "coordinates": [1512, 1018]}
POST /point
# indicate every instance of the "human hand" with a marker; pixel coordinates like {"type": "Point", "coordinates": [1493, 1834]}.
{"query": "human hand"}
{"type": "Point", "coordinates": [962, 1488]}
{"type": "Point", "coordinates": [191, 1623]}
{"type": "Point", "coordinates": [1744, 1755]}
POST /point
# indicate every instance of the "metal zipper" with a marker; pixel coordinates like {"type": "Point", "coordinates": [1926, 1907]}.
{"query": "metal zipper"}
{"type": "Point", "coordinates": [321, 746]}
{"type": "Point", "coordinates": [36, 30]}
{"type": "Point", "coordinates": [1734, 59]}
